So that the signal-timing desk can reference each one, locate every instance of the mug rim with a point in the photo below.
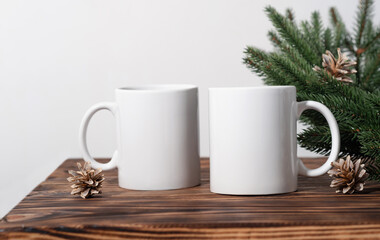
(253, 88)
(156, 87)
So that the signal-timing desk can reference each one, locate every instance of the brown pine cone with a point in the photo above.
(339, 68)
(348, 176)
(86, 181)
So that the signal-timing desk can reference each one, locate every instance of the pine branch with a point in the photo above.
(296, 57)
(370, 148)
(370, 142)
(352, 108)
(356, 107)
(341, 36)
(318, 139)
(363, 16)
(373, 167)
(372, 72)
(327, 39)
(349, 45)
(338, 25)
(370, 42)
(290, 15)
(258, 61)
(275, 39)
(338, 37)
(335, 17)
(370, 51)
(289, 32)
(311, 37)
(295, 75)
(317, 29)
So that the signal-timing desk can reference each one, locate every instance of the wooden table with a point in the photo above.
(315, 211)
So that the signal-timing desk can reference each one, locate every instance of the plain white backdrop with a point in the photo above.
(57, 58)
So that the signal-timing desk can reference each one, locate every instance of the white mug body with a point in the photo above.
(157, 136)
(253, 140)
(157, 129)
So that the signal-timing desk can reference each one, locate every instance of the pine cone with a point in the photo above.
(348, 176)
(338, 68)
(87, 181)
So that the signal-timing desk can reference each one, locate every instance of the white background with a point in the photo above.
(57, 58)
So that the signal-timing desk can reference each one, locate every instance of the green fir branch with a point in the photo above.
(274, 38)
(312, 39)
(356, 107)
(290, 15)
(338, 26)
(258, 61)
(362, 18)
(289, 32)
(327, 39)
(317, 29)
(375, 39)
(341, 36)
(372, 72)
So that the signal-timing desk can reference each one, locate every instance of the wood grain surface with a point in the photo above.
(315, 211)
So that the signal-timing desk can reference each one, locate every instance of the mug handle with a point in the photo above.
(335, 138)
(110, 106)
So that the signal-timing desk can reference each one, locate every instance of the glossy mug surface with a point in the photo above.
(253, 140)
(157, 136)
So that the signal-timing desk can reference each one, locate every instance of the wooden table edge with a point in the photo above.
(197, 231)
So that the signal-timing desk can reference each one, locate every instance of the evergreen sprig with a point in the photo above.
(356, 106)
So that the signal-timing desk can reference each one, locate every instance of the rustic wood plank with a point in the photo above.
(314, 211)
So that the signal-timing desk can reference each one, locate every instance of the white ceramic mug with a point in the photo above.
(253, 140)
(157, 136)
